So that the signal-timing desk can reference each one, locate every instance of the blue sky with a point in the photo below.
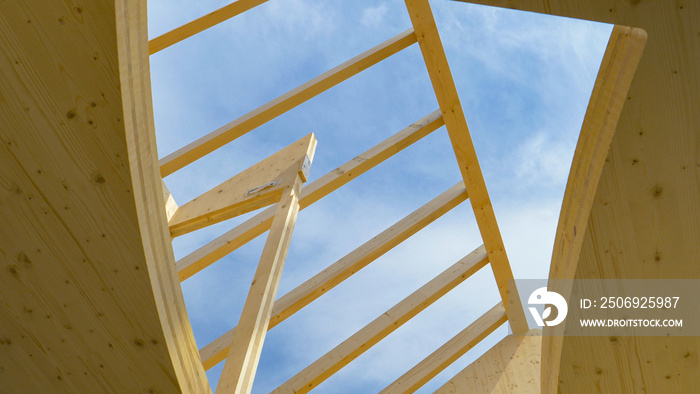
(524, 81)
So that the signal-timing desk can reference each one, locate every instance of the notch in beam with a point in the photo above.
(385, 324)
(253, 227)
(342, 269)
(229, 132)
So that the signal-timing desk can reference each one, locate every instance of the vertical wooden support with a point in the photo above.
(446, 93)
(241, 364)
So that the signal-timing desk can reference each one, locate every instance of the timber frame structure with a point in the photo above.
(87, 222)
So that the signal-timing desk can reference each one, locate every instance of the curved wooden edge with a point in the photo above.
(615, 76)
(140, 136)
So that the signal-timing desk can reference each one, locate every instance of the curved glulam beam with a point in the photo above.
(385, 324)
(342, 269)
(609, 94)
(258, 224)
(261, 115)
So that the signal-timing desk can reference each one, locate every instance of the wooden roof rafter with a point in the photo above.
(269, 314)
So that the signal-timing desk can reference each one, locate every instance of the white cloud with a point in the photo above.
(530, 119)
(544, 160)
(373, 16)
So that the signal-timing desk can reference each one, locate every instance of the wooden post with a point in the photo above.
(241, 364)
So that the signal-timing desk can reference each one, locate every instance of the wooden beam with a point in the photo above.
(284, 103)
(609, 94)
(170, 204)
(240, 367)
(200, 24)
(359, 258)
(385, 324)
(256, 187)
(230, 241)
(446, 93)
(448, 353)
(511, 366)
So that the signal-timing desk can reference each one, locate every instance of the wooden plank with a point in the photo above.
(256, 187)
(342, 269)
(446, 93)
(283, 103)
(200, 24)
(240, 367)
(448, 353)
(231, 240)
(609, 95)
(511, 366)
(385, 324)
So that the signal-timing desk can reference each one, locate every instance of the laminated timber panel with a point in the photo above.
(89, 299)
(645, 218)
(511, 366)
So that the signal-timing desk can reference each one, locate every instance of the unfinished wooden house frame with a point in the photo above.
(91, 221)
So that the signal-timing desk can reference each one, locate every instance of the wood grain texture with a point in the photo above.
(448, 99)
(200, 24)
(347, 266)
(645, 217)
(82, 227)
(246, 345)
(609, 94)
(385, 324)
(511, 366)
(236, 196)
(448, 353)
(261, 115)
(253, 227)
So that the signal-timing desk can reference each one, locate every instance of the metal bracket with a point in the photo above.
(262, 187)
(305, 168)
